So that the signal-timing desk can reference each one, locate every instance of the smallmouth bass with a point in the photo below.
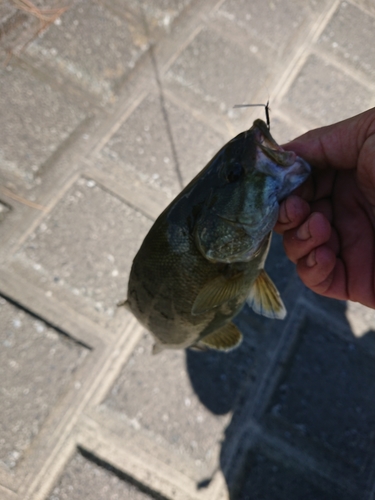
(204, 257)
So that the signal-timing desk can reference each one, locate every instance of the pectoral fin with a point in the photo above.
(265, 299)
(225, 339)
(216, 292)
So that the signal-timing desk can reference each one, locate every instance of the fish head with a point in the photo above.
(247, 180)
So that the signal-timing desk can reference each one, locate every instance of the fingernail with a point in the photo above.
(303, 232)
(311, 260)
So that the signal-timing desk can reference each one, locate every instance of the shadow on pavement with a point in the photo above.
(308, 431)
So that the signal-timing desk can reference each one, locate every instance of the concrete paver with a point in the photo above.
(109, 229)
(268, 477)
(215, 83)
(270, 29)
(36, 365)
(326, 372)
(331, 86)
(104, 52)
(143, 148)
(105, 115)
(84, 478)
(346, 36)
(38, 120)
(168, 407)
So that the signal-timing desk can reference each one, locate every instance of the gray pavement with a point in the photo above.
(105, 115)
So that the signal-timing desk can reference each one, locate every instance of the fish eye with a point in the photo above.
(234, 172)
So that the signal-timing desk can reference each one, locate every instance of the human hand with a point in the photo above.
(328, 225)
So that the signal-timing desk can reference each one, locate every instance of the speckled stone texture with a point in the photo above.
(106, 112)
(316, 97)
(89, 222)
(85, 479)
(107, 50)
(36, 366)
(36, 119)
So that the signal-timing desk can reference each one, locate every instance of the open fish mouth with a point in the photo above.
(289, 169)
(270, 147)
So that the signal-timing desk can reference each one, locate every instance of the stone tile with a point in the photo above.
(326, 395)
(195, 142)
(7, 10)
(91, 46)
(13, 25)
(323, 94)
(36, 365)
(265, 478)
(211, 73)
(348, 36)
(184, 400)
(86, 477)
(35, 119)
(142, 145)
(86, 246)
(283, 131)
(268, 27)
(367, 5)
(158, 14)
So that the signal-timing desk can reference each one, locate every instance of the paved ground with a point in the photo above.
(103, 118)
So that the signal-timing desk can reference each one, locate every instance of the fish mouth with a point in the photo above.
(290, 169)
(270, 147)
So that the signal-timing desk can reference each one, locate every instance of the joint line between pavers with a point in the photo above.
(196, 113)
(289, 119)
(172, 59)
(302, 53)
(265, 389)
(126, 195)
(55, 426)
(362, 7)
(301, 459)
(129, 109)
(294, 119)
(144, 468)
(39, 218)
(356, 75)
(115, 362)
(55, 469)
(79, 408)
(7, 494)
(58, 315)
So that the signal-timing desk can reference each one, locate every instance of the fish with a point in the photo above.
(203, 259)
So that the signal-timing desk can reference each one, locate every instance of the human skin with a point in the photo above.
(328, 224)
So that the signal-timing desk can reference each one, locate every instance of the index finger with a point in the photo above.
(349, 144)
